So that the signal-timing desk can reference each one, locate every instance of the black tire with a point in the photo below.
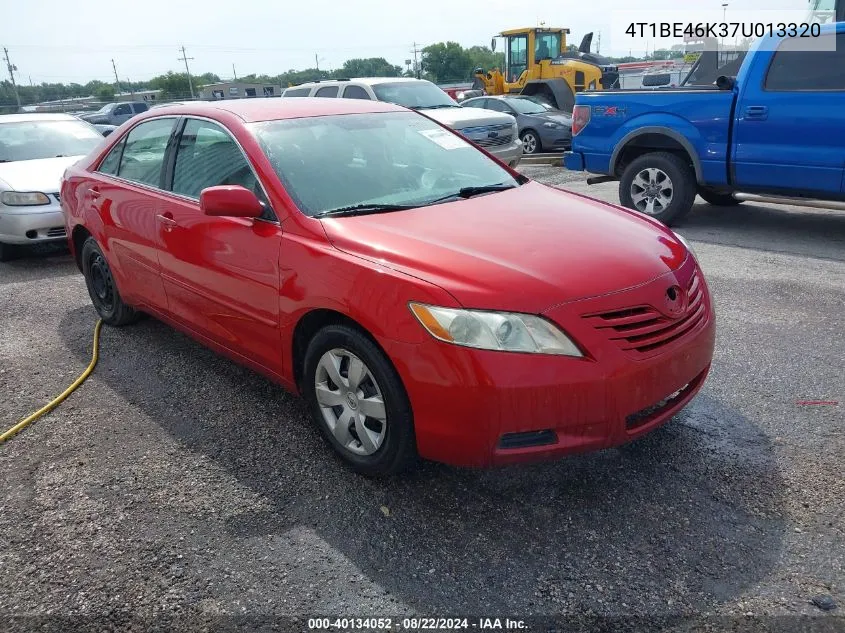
(398, 451)
(537, 144)
(8, 252)
(102, 287)
(718, 199)
(678, 171)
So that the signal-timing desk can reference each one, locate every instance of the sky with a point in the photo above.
(61, 41)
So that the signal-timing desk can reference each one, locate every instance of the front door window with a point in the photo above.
(517, 57)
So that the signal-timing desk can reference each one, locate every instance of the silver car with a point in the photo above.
(35, 150)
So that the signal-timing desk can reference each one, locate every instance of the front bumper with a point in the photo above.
(31, 225)
(509, 154)
(484, 408)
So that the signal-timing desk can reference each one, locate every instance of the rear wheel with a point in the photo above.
(102, 288)
(358, 401)
(717, 198)
(531, 142)
(659, 184)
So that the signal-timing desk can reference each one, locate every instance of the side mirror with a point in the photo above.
(725, 83)
(230, 200)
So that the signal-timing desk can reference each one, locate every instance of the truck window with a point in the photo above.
(140, 107)
(517, 56)
(802, 70)
(296, 92)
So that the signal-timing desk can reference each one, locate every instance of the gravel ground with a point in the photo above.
(175, 484)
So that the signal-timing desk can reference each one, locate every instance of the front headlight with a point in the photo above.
(24, 198)
(683, 241)
(552, 125)
(504, 331)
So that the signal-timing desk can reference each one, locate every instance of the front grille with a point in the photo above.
(644, 330)
(643, 417)
(57, 231)
(527, 439)
(495, 142)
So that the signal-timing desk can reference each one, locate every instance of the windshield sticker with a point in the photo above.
(444, 139)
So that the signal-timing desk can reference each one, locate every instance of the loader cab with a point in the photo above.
(524, 48)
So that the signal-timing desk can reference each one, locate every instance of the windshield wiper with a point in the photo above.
(435, 107)
(469, 192)
(364, 209)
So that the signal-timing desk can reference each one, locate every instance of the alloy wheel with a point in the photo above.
(652, 191)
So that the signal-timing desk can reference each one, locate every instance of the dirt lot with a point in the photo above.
(175, 483)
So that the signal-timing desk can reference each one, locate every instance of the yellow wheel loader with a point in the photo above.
(537, 63)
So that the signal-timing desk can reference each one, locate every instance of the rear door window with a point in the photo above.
(121, 109)
(808, 70)
(326, 91)
(296, 92)
(140, 107)
(355, 92)
(143, 155)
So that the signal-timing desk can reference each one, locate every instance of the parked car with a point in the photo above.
(496, 133)
(104, 129)
(774, 133)
(424, 298)
(540, 128)
(174, 103)
(116, 113)
(34, 151)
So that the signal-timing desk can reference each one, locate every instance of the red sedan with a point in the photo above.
(424, 298)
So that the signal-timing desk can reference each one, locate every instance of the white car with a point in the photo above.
(496, 132)
(35, 150)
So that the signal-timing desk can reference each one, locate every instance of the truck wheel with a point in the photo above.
(659, 184)
(718, 199)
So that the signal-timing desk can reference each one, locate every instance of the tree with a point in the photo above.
(172, 85)
(369, 67)
(104, 93)
(484, 58)
(445, 62)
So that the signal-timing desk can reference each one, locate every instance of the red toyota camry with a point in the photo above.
(424, 298)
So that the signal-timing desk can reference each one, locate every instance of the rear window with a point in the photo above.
(296, 92)
(326, 91)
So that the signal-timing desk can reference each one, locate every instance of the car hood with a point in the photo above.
(95, 118)
(526, 249)
(458, 118)
(44, 174)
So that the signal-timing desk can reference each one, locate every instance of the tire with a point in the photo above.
(102, 288)
(8, 252)
(665, 204)
(531, 142)
(390, 444)
(718, 199)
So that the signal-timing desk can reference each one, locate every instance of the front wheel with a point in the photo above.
(102, 288)
(530, 142)
(358, 401)
(718, 199)
(659, 184)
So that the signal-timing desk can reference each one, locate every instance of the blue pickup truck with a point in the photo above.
(775, 132)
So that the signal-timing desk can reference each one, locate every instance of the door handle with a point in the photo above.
(167, 220)
(95, 192)
(756, 113)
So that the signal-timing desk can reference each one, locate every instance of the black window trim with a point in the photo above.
(123, 141)
(169, 165)
(764, 88)
(329, 87)
(360, 87)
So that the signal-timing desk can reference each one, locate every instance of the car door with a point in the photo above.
(122, 112)
(126, 197)
(220, 274)
(789, 125)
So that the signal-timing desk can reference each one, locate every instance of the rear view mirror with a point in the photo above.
(230, 201)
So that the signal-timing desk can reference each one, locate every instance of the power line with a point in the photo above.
(185, 59)
(12, 68)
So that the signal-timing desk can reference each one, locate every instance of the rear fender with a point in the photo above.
(675, 128)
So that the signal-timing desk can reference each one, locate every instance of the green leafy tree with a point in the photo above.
(172, 85)
(104, 93)
(445, 62)
(369, 67)
(484, 58)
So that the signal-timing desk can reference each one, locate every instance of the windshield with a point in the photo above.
(106, 108)
(413, 94)
(31, 140)
(396, 158)
(526, 106)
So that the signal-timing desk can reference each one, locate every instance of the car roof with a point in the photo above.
(369, 81)
(271, 108)
(36, 116)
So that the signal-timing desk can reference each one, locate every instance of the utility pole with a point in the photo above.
(234, 72)
(416, 63)
(598, 44)
(12, 68)
(116, 78)
(185, 59)
(316, 62)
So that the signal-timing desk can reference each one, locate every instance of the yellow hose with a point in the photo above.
(7, 435)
